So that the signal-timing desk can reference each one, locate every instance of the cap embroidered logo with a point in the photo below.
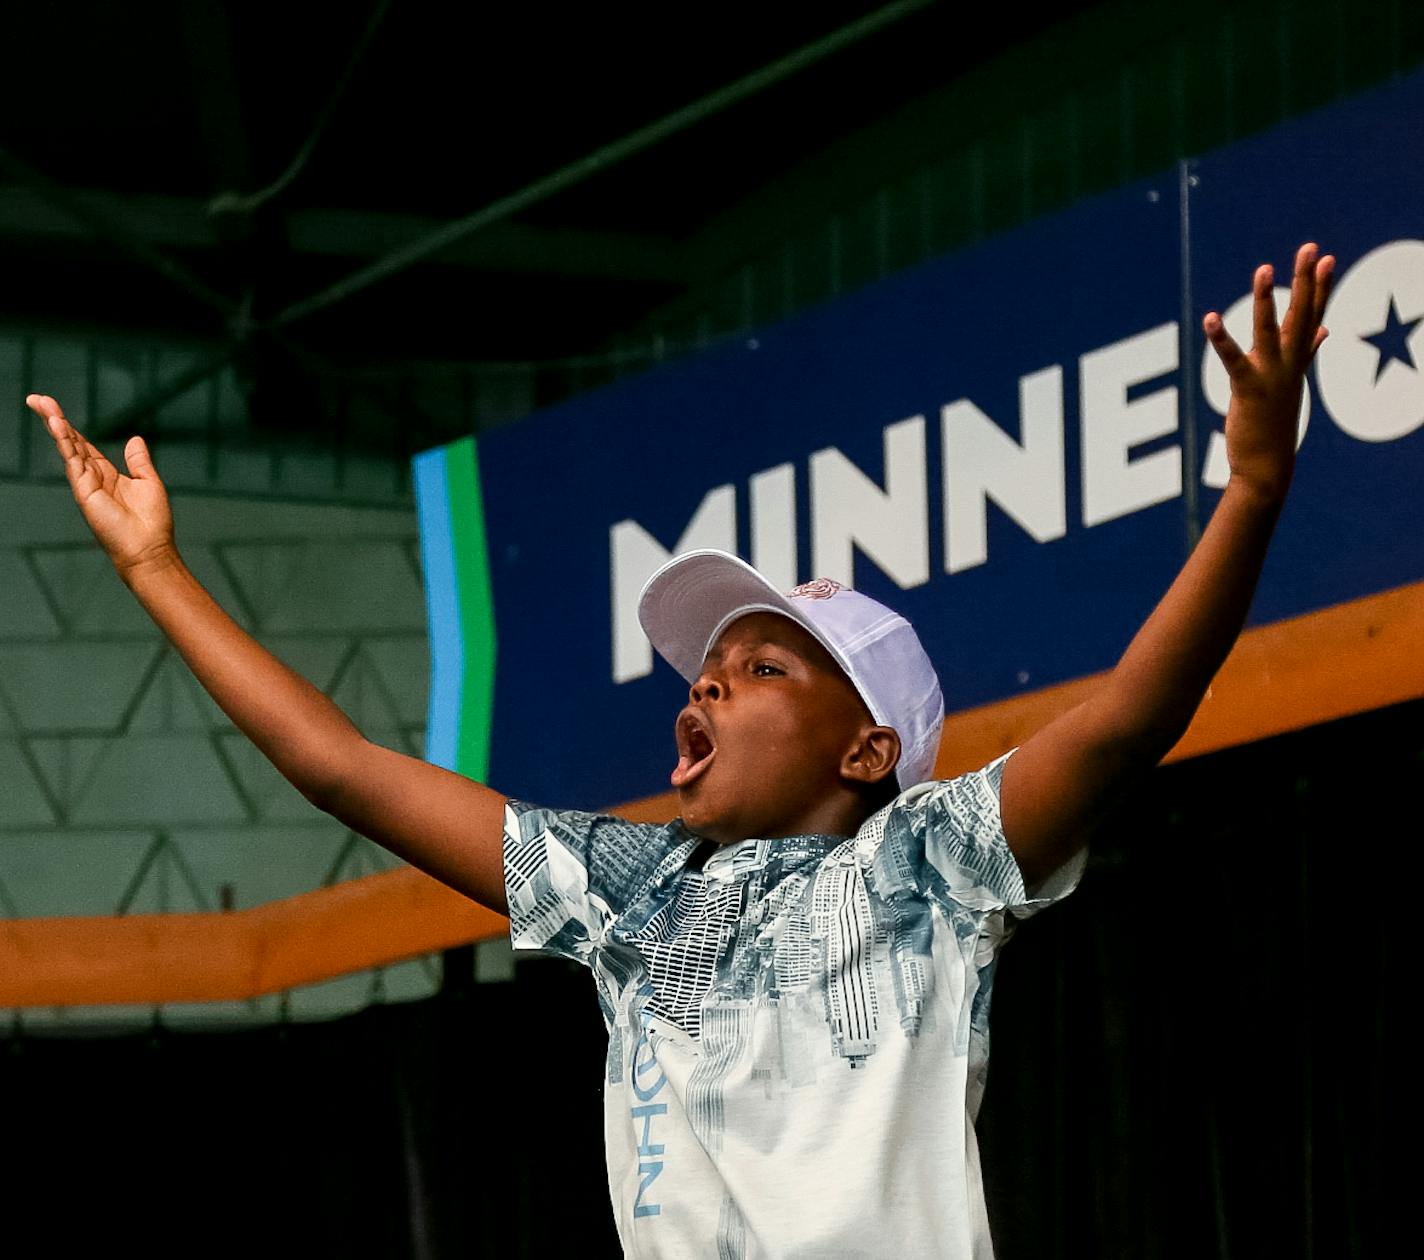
(820, 588)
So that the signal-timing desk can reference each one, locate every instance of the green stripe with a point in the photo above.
(476, 600)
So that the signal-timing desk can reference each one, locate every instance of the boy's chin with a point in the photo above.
(706, 824)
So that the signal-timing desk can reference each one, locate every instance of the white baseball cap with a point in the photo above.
(688, 602)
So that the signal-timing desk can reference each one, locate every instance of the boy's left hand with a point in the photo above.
(1266, 383)
(1061, 780)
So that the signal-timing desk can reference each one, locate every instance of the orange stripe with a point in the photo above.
(153, 958)
(1282, 677)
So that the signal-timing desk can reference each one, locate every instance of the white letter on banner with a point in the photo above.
(774, 525)
(636, 555)
(1371, 367)
(982, 462)
(891, 525)
(1114, 483)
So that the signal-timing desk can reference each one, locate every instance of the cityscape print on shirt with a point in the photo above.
(846, 925)
(757, 994)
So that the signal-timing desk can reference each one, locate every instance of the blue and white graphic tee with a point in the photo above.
(798, 1030)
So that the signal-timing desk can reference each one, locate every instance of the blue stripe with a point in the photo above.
(442, 608)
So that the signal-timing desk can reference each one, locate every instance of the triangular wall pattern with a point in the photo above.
(123, 784)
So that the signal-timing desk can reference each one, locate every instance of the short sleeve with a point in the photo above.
(948, 837)
(569, 875)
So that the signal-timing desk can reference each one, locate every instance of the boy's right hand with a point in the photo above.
(129, 514)
(441, 822)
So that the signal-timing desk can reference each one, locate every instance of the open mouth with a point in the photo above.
(695, 747)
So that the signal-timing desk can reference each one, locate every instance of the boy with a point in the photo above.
(796, 973)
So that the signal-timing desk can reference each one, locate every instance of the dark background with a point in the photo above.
(1202, 1053)
(262, 152)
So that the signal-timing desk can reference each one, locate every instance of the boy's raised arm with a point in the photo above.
(1061, 780)
(441, 822)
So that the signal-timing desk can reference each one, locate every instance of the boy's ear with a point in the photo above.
(873, 757)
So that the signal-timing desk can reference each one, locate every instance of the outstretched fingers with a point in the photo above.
(1324, 282)
(66, 438)
(85, 467)
(101, 464)
(1232, 357)
(1266, 336)
(1302, 297)
(58, 427)
(139, 461)
(89, 475)
(128, 513)
(1310, 291)
(78, 466)
(1299, 333)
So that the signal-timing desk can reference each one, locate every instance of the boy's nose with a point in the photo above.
(707, 687)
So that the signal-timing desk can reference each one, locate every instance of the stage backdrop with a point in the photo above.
(1015, 446)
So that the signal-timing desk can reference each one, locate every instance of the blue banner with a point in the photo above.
(1012, 445)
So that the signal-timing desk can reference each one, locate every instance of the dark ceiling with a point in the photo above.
(142, 136)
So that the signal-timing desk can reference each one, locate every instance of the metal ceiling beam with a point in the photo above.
(113, 228)
(232, 202)
(127, 419)
(185, 223)
(507, 247)
(600, 160)
(175, 222)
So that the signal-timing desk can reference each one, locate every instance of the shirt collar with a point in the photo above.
(794, 851)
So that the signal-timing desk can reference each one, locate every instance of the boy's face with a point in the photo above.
(762, 741)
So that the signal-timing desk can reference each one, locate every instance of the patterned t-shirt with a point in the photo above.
(798, 1028)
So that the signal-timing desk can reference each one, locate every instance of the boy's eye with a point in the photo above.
(767, 668)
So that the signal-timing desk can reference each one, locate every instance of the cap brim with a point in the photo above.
(688, 602)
